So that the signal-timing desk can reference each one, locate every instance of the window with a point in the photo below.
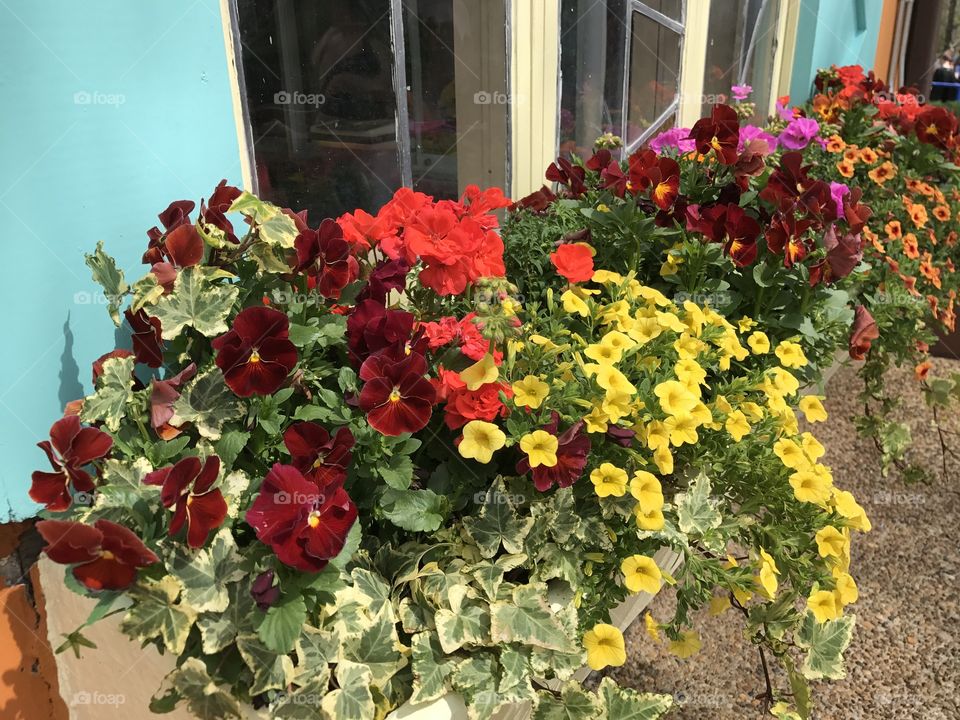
(620, 67)
(347, 100)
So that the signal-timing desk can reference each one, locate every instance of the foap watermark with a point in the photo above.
(889, 497)
(496, 97)
(298, 498)
(284, 297)
(85, 697)
(295, 97)
(96, 97)
(493, 497)
(84, 297)
(717, 298)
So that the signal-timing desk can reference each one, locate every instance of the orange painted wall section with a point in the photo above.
(888, 26)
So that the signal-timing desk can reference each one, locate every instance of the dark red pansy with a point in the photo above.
(659, 176)
(537, 201)
(863, 333)
(565, 173)
(573, 447)
(720, 132)
(304, 525)
(256, 354)
(788, 181)
(325, 256)
(147, 338)
(624, 437)
(176, 214)
(105, 556)
(163, 394)
(396, 397)
(166, 275)
(320, 457)
(70, 448)
(935, 125)
(214, 211)
(184, 246)
(854, 212)
(372, 327)
(785, 236)
(740, 235)
(263, 590)
(187, 488)
(388, 276)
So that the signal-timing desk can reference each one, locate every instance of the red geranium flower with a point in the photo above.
(256, 354)
(147, 340)
(573, 446)
(396, 396)
(69, 449)
(363, 230)
(863, 333)
(104, 557)
(371, 327)
(306, 525)
(187, 487)
(326, 258)
(463, 405)
(574, 261)
(318, 456)
(719, 132)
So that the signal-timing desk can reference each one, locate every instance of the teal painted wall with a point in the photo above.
(110, 110)
(827, 34)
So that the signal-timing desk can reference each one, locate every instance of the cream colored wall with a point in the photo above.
(693, 59)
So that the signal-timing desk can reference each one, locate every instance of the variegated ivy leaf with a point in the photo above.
(825, 643)
(431, 668)
(625, 704)
(527, 619)
(270, 670)
(114, 391)
(574, 703)
(316, 649)
(155, 613)
(476, 679)
(195, 302)
(205, 573)
(208, 403)
(108, 276)
(122, 484)
(378, 647)
(515, 675)
(467, 625)
(146, 291)
(697, 512)
(414, 617)
(498, 524)
(304, 702)
(233, 486)
(368, 591)
(220, 629)
(353, 699)
(275, 228)
(192, 683)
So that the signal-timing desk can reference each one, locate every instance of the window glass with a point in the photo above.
(654, 74)
(592, 64)
(673, 9)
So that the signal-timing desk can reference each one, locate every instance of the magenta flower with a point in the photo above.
(754, 140)
(741, 92)
(674, 137)
(798, 134)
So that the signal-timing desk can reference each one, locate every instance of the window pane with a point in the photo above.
(319, 84)
(673, 9)
(456, 64)
(654, 73)
(592, 61)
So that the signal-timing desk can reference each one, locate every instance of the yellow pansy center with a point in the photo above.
(254, 356)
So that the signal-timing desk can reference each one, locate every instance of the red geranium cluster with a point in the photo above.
(457, 241)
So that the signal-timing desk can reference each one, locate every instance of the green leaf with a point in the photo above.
(353, 698)
(275, 228)
(476, 679)
(468, 624)
(108, 276)
(114, 391)
(155, 613)
(574, 703)
(229, 446)
(800, 689)
(146, 291)
(194, 302)
(377, 647)
(398, 474)
(282, 623)
(431, 668)
(208, 403)
(271, 671)
(696, 511)
(220, 629)
(414, 510)
(497, 524)
(205, 573)
(303, 335)
(527, 619)
(515, 675)
(825, 643)
(625, 704)
(122, 484)
(192, 682)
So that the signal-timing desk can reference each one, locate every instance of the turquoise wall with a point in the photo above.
(827, 34)
(109, 111)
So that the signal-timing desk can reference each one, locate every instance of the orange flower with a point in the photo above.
(893, 229)
(873, 238)
(910, 248)
(922, 370)
(845, 168)
(942, 213)
(926, 189)
(882, 173)
(918, 213)
(835, 144)
(868, 156)
(913, 184)
(850, 154)
(910, 282)
(931, 273)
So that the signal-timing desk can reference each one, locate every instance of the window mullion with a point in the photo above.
(400, 91)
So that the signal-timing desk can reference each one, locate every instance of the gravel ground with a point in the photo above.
(904, 662)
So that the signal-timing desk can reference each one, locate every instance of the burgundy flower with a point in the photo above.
(567, 174)
(388, 276)
(660, 176)
(318, 456)
(785, 236)
(719, 132)
(164, 393)
(187, 487)
(264, 593)
(623, 437)
(304, 525)
(215, 213)
(787, 182)
(325, 256)
(147, 340)
(70, 448)
(176, 214)
(854, 212)
(396, 397)
(573, 446)
(936, 125)
(104, 557)
(537, 201)
(256, 354)
(372, 327)
(844, 253)
(863, 333)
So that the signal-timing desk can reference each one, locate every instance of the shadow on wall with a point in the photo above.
(70, 386)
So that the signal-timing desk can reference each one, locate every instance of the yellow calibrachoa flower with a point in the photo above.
(481, 440)
(784, 382)
(675, 397)
(671, 265)
(737, 425)
(653, 627)
(812, 408)
(824, 605)
(608, 480)
(646, 489)
(530, 392)
(846, 589)
(753, 411)
(618, 340)
(768, 573)
(480, 373)
(688, 347)
(831, 542)
(791, 354)
(610, 379)
(690, 373)
(596, 420)
(603, 353)
(663, 459)
(810, 487)
(722, 404)
(688, 644)
(791, 454)
(653, 295)
(848, 508)
(641, 574)
(682, 429)
(811, 447)
(540, 447)
(744, 324)
(759, 343)
(574, 304)
(604, 646)
(669, 321)
(605, 277)
(643, 329)
(651, 521)
(657, 435)
(617, 405)
(719, 604)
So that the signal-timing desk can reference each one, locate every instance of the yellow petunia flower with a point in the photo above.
(811, 447)
(657, 435)
(617, 405)
(530, 392)
(824, 606)
(831, 542)
(482, 372)
(609, 480)
(812, 408)
(737, 425)
(574, 304)
(682, 429)
(605, 277)
(651, 521)
(689, 372)
(753, 411)
(791, 454)
(610, 379)
(540, 447)
(481, 440)
(663, 459)
(646, 489)
(675, 397)
(688, 644)
(808, 487)
(848, 508)
(596, 420)
(846, 589)
(791, 354)
(605, 647)
(604, 354)
(759, 343)
(641, 574)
